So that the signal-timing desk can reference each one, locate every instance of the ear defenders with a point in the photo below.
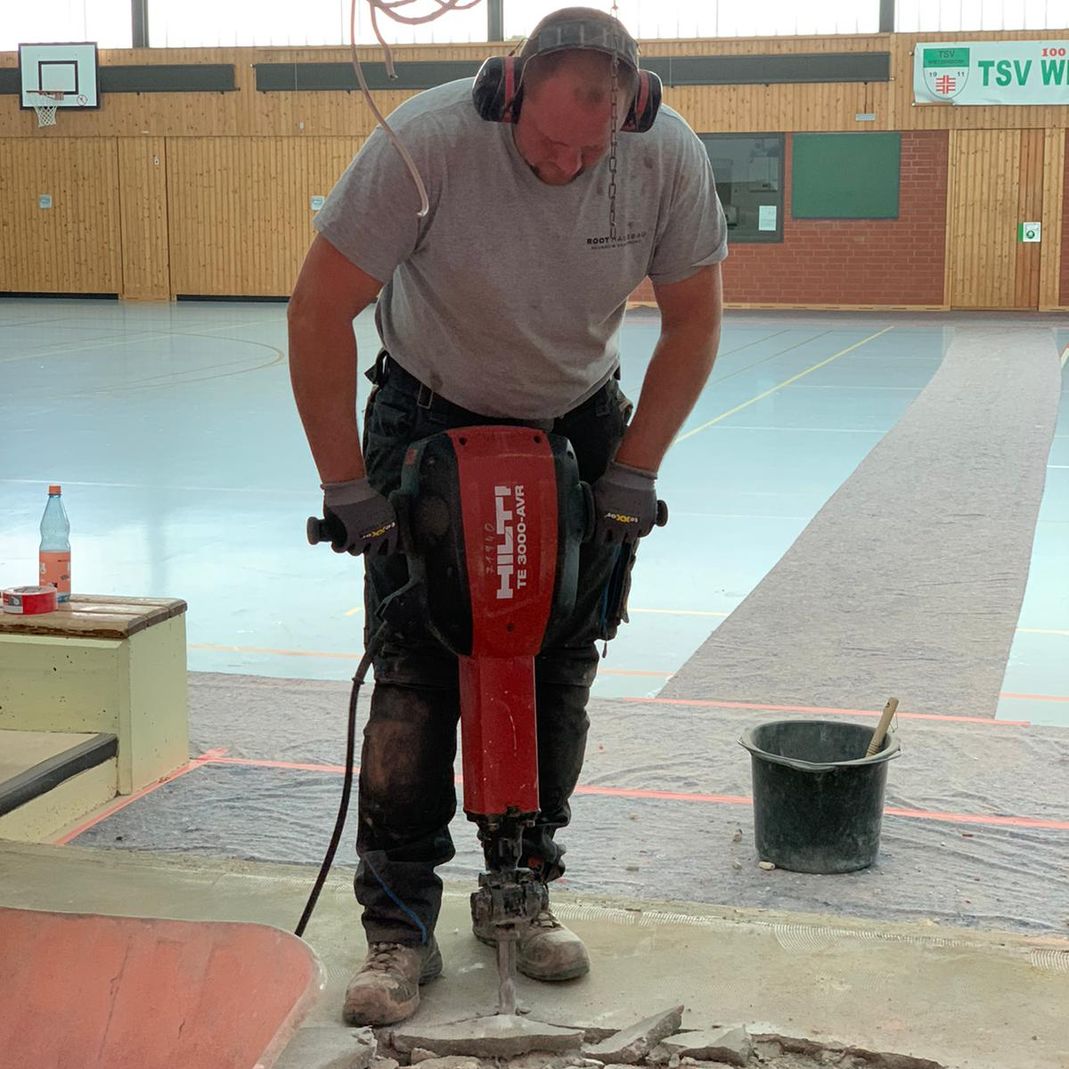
(498, 90)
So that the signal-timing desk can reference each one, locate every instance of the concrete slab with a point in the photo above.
(498, 1036)
(731, 1045)
(631, 1045)
(965, 999)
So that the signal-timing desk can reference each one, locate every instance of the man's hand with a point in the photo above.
(368, 519)
(625, 504)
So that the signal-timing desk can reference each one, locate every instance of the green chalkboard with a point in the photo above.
(845, 176)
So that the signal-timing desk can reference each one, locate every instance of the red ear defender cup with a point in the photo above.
(645, 105)
(498, 90)
(495, 90)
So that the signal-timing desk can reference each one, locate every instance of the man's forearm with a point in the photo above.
(322, 352)
(677, 374)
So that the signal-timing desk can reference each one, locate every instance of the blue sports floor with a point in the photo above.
(185, 473)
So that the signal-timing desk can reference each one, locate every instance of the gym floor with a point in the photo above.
(185, 473)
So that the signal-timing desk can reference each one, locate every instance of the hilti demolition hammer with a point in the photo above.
(491, 521)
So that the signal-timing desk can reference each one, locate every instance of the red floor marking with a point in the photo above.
(121, 803)
(672, 796)
(678, 796)
(1036, 697)
(979, 818)
(293, 766)
(713, 704)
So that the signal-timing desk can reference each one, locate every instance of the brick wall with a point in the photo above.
(853, 262)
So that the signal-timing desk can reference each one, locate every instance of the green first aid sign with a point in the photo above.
(992, 72)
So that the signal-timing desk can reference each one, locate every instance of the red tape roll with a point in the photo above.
(29, 600)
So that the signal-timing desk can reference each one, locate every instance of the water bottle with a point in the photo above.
(55, 553)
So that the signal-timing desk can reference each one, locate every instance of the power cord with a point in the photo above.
(347, 784)
(389, 8)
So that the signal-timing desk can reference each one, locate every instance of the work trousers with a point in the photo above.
(406, 791)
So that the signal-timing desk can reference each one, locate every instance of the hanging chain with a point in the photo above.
(614, 11)
(612, 150)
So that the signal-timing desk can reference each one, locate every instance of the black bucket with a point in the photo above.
(817, 800)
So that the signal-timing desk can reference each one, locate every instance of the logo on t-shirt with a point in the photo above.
(627, 237)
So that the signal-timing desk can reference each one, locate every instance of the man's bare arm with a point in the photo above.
(691, 312)
(330, 292)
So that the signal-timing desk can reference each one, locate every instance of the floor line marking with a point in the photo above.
(157, 486)
(1065, 355)
(1035, 697)
(121, 803)
(715, 380)
(781, 385)
(712, 703)
(350, 656)
(643, 793)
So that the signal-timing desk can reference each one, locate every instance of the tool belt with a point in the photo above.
(386, 369)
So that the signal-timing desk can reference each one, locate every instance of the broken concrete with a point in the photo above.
(543, 1060)
(453, 1061)
(731, 1045)
(632, 1045)
(326, 1046)
(500, 1036)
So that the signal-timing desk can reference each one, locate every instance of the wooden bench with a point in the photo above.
(102, 664)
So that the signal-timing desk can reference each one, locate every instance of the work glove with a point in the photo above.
(625, 504)
(368, 519)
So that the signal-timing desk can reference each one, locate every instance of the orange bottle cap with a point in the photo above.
(54, 489)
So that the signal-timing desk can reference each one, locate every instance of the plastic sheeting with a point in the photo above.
(660, 805)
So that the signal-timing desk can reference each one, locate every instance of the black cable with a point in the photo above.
(347, 785)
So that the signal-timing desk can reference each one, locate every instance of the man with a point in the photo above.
(502, 303)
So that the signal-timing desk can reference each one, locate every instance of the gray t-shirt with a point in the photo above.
(507, 297)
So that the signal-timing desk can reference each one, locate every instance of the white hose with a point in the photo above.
(390, 9)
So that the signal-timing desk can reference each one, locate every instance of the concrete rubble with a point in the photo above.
(730, 1045)
(631, 1046)
(500, 1036)
(503, 1042)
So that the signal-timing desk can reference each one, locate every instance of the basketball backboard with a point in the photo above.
(66, 72)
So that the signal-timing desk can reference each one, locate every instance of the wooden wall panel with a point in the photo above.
(1029, 209)
(237, 168)
(732, 108)
(239, 216)
(73, 246)
(985, 168)
(1054, 237)
(143, 213)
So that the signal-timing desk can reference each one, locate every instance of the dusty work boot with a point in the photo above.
(386, 989)
(547, 951)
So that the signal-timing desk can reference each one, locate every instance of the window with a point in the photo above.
(106, 22)
(650, 19)
(954, 16)
(208, 23)
(749, 179)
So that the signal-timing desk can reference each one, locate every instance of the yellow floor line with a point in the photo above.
(781, 385)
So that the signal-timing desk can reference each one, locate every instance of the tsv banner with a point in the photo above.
(992, 72)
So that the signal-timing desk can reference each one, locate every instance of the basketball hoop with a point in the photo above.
(46, 108)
